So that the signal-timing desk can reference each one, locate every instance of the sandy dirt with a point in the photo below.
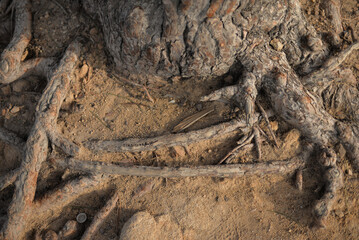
(102, 106)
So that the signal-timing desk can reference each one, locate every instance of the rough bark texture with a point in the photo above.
(169, 38)
(278, 51)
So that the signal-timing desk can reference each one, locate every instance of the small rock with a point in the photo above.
(291, 138)
(356, 66)
(274, 125)
(15, 109)
(178, 151)
(83, 71)
(70, 229)
(276, 44)
(50, 235)
(349, 172)
(340, 151)
(6, 90)
(21, 85)
(143, 225)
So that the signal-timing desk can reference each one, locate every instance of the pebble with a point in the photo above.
(274, 125)
(15, 109)
(83, 71)
(69, 230)
(339, 148)
(178, 151)
(276, 44)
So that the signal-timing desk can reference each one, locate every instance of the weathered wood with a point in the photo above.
(178, 139)
(232, 170)
(101, 216)
(333, 179)
(170, 140)
(37, 144)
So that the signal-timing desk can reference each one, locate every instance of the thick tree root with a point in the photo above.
(101, 216)
(37, 143)
(231, 170)
(11, 65)
(333, 178)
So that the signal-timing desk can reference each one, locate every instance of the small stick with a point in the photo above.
(148, 95)
(299, 179)
(248, 140)
(189, 121)
(257, 140)
(101, 216)
(264, 114)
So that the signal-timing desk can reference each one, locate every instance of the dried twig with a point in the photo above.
(189, 121)
(148, 95)
(230, 170)
(100, 216)
(240, 145)
(264, 114)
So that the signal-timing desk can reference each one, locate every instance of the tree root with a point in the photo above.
(333, 178)
(230, 170)
(100, 216)
(11, 65)
(179, 139)
(37, 143)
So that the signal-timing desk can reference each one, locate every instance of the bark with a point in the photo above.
(232, 170)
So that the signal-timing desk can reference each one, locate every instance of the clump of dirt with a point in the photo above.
(103, 106)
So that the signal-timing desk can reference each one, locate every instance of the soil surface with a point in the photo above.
(104, 106)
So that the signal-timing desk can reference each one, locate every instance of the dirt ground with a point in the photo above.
(102, 106)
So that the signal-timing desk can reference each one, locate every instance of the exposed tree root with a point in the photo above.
(230, 170)
(333, 178)
(284, 76)
(11, 65)
(37, 143)
(179, 139)
(100, 216)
